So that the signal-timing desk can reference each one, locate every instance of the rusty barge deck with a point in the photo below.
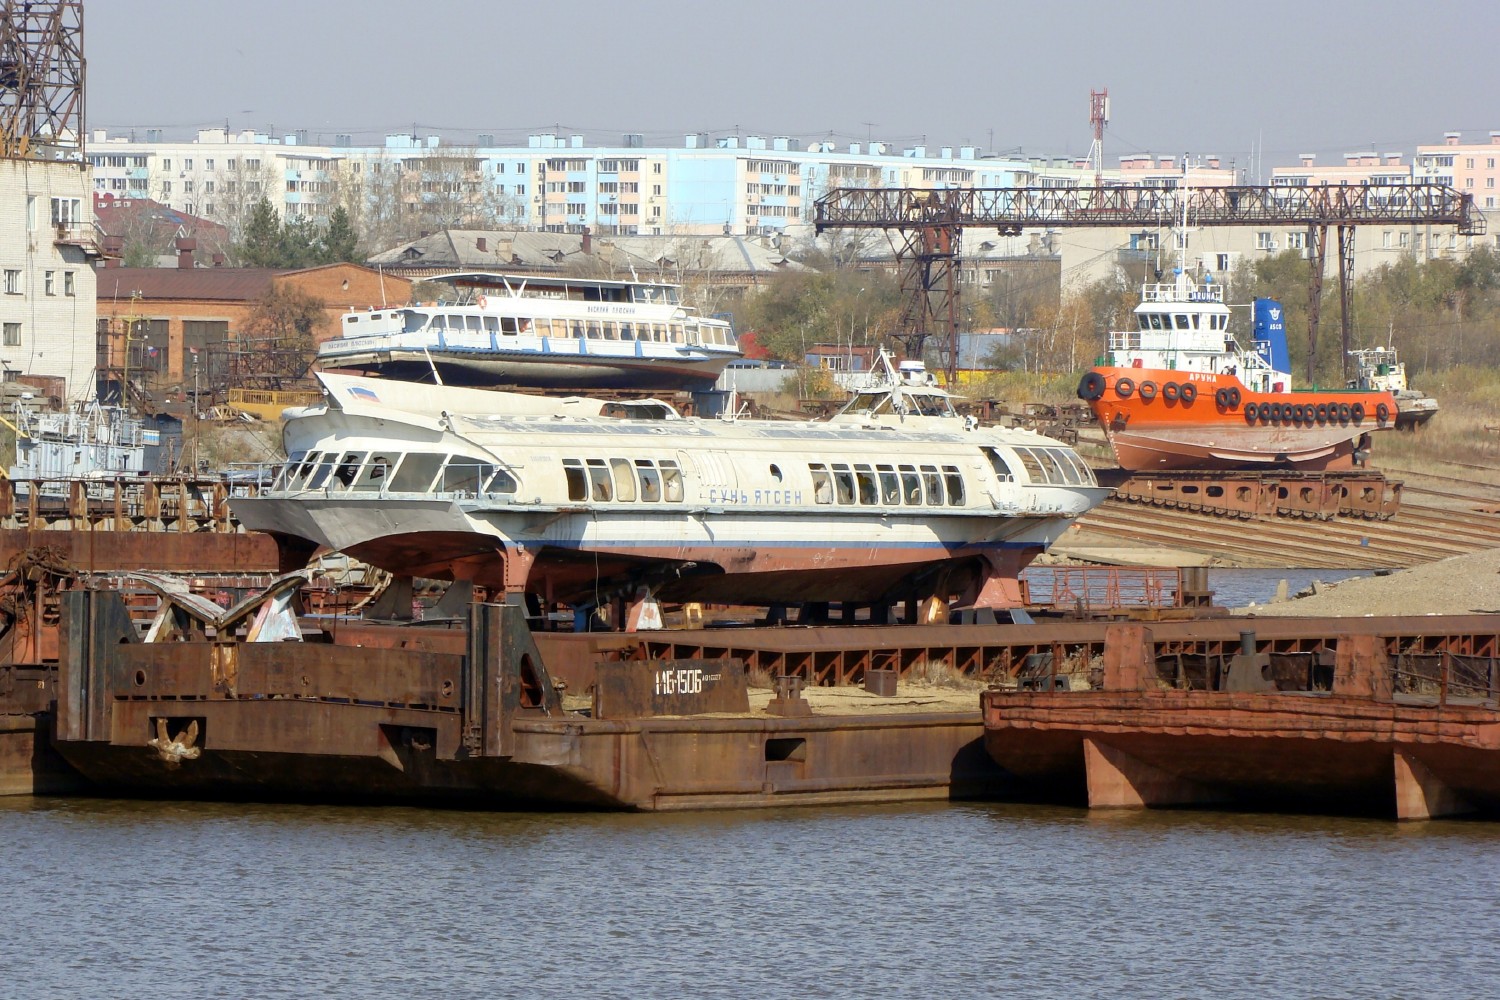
(492, 715)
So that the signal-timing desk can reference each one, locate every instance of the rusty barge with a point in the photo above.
(253, 703)
(469, 716)
(1363, 723)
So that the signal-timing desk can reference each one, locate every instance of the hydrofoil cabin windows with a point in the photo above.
(1000, 465)
(955, 483)
(822, 483)
(619, 480)
(415, 473)
(650, 480)
(464, 475)
(624, 479)
(1055, 467)
(601, 487)
(934, 484)
(891, 485)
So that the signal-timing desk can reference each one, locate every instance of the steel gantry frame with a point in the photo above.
(929, 223)
(41, 78)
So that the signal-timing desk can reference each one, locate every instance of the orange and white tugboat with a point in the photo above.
(1179, 392)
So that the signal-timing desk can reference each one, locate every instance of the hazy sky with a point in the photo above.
(1279, 76)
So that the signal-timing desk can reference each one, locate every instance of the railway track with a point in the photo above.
(1417, 534)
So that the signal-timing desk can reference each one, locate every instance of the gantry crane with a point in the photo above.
(926, 226)
(41, 79)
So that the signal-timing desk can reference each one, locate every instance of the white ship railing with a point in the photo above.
(1170, 292)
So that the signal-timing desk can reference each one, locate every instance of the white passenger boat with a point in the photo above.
(547, 332)
(577, 500)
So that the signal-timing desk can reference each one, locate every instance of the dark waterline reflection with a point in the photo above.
(125, 898)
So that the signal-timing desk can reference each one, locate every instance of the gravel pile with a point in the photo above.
(1461, 585)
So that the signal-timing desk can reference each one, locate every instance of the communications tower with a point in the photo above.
(1098, 118)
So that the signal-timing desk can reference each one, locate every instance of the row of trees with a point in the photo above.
(1437, 313)
(270, 241)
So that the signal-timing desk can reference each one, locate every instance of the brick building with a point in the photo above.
(177, 317)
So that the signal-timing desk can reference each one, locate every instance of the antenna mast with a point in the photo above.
(1098, 118)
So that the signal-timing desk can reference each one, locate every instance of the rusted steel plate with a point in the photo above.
(26, 690)
(173, 670)
(642, 689)
(372, 676)
(285, 670)
(163, 551)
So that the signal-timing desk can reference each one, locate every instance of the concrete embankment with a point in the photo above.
(1468, 584)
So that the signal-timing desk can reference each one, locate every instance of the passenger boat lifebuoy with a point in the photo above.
(482, 301)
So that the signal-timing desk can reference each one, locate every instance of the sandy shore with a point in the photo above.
(1462, 585)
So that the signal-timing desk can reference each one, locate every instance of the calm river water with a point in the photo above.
(138, 899)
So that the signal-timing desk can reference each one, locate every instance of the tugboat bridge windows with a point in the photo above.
(1181, 321)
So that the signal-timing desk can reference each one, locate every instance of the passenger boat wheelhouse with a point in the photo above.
(1179, 392)
(579, 500)
(545, 332)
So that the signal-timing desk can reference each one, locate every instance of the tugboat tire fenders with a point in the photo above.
(1124, 387)
(1092, 387)
(1148, 390)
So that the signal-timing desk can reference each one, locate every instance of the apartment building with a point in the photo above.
(742, 185)
(1468, 167)
(735, 185)
(47, 286)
